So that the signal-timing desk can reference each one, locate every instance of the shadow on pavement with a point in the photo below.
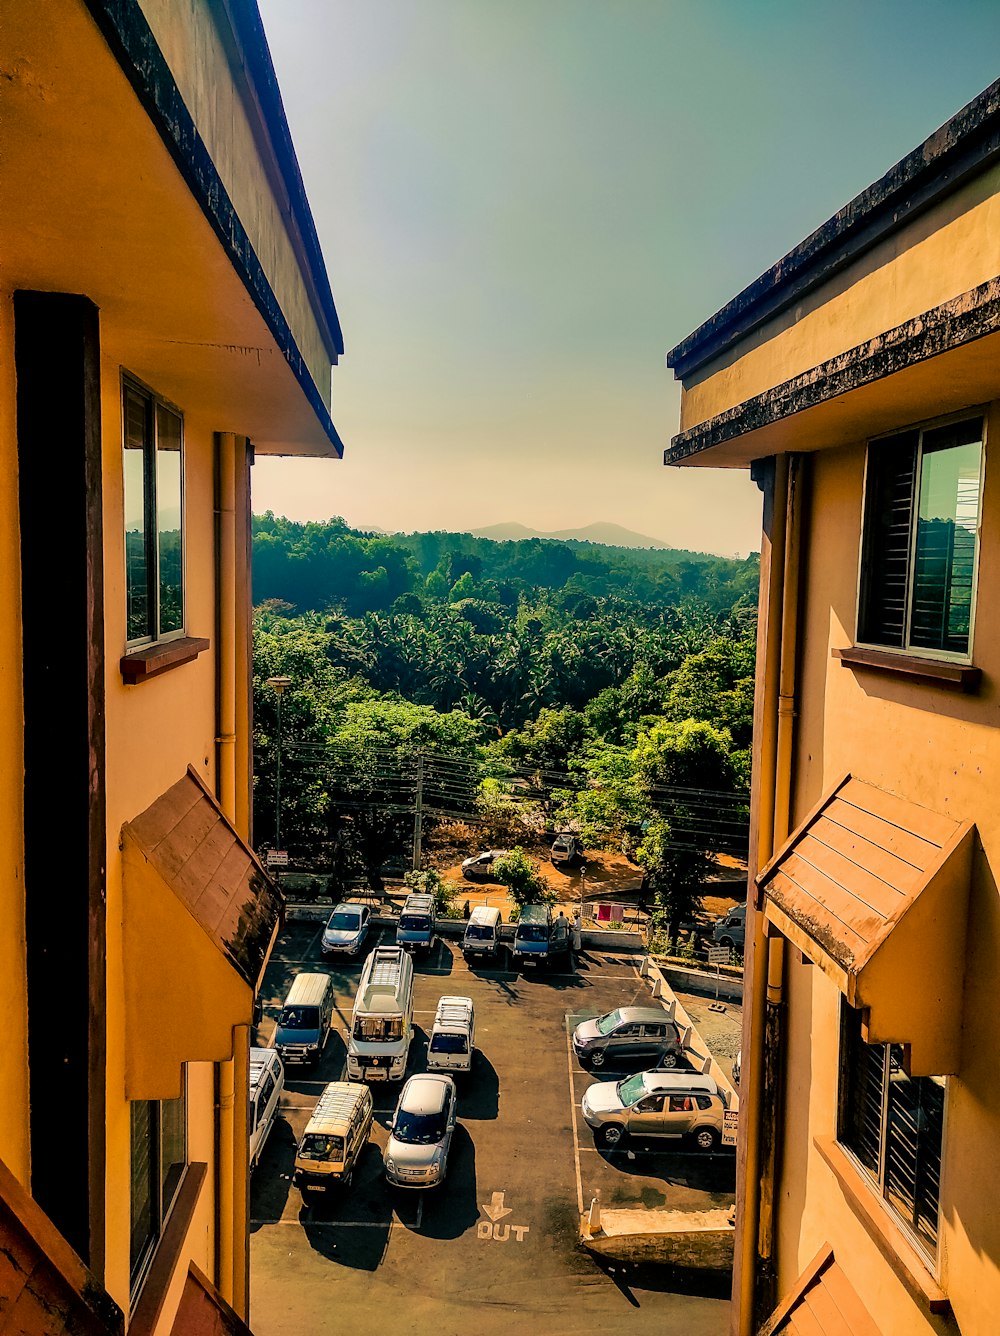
(452, 1208)
(479, 1090)
(271, 1180)
(350, 1225)
(659, 1278)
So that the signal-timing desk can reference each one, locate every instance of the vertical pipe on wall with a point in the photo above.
(225, 618)
(772, 476)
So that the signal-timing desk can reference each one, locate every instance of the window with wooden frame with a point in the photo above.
(158, 1158)
(154, 547)
(893, 1126)
(921, 537)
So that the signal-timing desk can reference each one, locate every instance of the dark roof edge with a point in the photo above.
(963, 319)
(964, 145)
(133, 45)
(248, 32)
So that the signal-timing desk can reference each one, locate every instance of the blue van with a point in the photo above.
(304, 1021)
(417, 923)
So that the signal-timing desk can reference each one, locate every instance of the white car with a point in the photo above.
(421, 1132)
(346, 930)
(479, 867)
(674, 1105)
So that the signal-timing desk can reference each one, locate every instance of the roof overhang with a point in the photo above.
(874, 889)
(822, 1301)
(200, 917)
(942, 360)
(131, 211)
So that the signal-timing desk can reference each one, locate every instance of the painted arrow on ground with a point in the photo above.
(496, 1209)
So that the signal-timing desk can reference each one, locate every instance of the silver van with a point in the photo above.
(335, 1137)
(304, 1021)
(267, 1081)
(731, 929)
(453, 1036)
(482, 932)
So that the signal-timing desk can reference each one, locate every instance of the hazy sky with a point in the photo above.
(524, 205)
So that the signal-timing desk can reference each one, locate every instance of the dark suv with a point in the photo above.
(645, 1035)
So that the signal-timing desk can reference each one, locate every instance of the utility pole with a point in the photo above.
(280, 685)
(418, 812)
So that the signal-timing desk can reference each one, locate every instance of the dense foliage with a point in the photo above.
(515, 686)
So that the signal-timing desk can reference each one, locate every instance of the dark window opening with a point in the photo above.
(159, 1154)
(154, 551)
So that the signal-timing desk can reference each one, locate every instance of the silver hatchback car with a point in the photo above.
(421, 1132)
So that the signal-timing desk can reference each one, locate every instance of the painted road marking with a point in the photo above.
(492, 1228)
(572, 1101)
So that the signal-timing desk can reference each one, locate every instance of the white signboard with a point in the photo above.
(730, 1126)
(719, 955)
(277, 858)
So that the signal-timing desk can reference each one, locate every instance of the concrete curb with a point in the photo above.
(694, 1240)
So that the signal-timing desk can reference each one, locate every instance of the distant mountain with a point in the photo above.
(609, 535)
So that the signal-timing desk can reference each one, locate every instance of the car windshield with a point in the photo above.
(532, 932)
(378, 1029)
(414, 922)
(418, 1129)
(344, 922)
(605, 1024)
(449, 1043)
(477, 933)
(316, 1146)
(631, 1090)
(299, 1018)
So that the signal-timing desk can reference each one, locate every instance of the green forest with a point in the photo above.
(504, 689)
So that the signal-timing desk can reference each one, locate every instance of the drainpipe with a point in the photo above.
(225, 789)
(771, 475)
(775, 1006)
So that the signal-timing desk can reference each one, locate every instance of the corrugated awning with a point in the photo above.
(822, 1302)
(874, 889)
(200, 918)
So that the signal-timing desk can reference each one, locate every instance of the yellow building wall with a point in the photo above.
(189, 38)
(154, 730)
(947, 251)
(13, 979)
(941, 749)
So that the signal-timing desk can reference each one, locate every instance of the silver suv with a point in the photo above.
(629, 1034)
(421, 1132)
(656, 1104)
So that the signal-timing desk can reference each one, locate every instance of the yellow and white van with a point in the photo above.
(334, 1138)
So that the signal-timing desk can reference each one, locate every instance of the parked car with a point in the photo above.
(675, 1105)
(479, 867)
(627, 1034)
(335, 1137)
(731, 929)
(541, 937)
(566, 848)
(267, 1081)
(482, 932)
(737, 1068)
(421, 1132)
(346, 930)
(453, 1036)
(417, 923)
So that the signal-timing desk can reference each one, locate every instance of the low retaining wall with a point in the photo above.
(695, 1240)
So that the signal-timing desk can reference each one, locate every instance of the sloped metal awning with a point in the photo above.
(200, 919)
(45, 1290)
(874, 890)
(822, 1302)
(204, 1312)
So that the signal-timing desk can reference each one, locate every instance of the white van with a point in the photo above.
(335, 1136)
(453, 1036)
(304, 1021)
(267, 1080)
(482, 932)
(382, 1024)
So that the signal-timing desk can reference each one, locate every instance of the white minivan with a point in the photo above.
(453, 1036)
(267, 1080)
(482, 932)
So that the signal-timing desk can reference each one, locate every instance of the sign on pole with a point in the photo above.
(277, 857)
(719, 955)
(730, 1126)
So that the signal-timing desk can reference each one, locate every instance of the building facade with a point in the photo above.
(859, 381)
(165, 315)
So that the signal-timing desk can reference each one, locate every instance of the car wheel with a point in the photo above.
(612, 1135)
(598, 1059)
(727, 941)
(669, 1060)
(706, 1138)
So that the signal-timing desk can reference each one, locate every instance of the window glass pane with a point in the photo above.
(172, 1149)
(143, 1183)
(913, 1147)
(168, 519)
(945, 550)
(138, 620)
(886, 558)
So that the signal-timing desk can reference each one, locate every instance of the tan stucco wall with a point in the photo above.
(13, 1001)
(945, 252)
(940, 749)
(190, 41)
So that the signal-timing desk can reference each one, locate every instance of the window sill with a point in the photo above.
(958, 676)
(904, 1259)
(139, 665)
(149, 1305)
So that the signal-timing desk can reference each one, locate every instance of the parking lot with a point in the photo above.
(496, 1245)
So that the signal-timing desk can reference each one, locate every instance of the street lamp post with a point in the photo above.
(280, 685)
